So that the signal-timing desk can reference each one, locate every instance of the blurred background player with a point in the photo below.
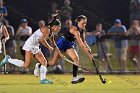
(4, 36)
(52, 11)
(67, 26)
(120, 45)
(134, 45)
(66, 12)
(10, 45)
(134, 10)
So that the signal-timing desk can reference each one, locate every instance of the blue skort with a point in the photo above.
(63, 44)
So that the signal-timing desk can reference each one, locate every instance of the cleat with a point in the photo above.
(45, 81)
(77, 79)
(81, 80)
(5, 60)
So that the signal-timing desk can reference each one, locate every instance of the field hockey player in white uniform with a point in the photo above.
(31, 48)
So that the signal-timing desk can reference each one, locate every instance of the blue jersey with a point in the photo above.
(67, 41)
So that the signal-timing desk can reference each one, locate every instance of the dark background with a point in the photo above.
(103, 11)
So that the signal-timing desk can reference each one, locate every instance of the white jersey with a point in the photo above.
(32, 42)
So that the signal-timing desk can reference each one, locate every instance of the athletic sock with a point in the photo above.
(75, 70)
(16, 62)
(43, 71)
(37, 66)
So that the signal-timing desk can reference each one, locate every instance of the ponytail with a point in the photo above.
(55, 20)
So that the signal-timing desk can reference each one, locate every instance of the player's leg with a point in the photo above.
(74, 56)
(46, 54)
(17, 62)
(49, 63)
(43, 70)
(28, 59)
(54, 59)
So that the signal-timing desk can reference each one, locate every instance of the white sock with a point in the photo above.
(16, 62)
(37, 66)
(43, 71)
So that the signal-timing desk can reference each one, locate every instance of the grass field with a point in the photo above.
(92, 84)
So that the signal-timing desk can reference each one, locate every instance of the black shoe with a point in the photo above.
(76, 80)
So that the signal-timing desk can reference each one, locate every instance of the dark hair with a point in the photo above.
(79, 18)
(55, 20)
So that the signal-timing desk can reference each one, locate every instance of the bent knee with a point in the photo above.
(76, 59)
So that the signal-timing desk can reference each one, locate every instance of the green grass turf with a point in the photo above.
(92, 84)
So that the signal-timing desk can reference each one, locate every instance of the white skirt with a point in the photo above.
(28, 46)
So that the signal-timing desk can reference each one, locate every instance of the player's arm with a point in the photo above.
(45, 35)
(5, 33)
(85, 43)
(52, 41)
(74, 31)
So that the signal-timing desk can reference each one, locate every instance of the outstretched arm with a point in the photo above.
(85, 43)
(74, 31)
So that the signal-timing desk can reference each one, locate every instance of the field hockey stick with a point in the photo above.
(102, 80)
(4, 51)
(100, 76)
(110, 69)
